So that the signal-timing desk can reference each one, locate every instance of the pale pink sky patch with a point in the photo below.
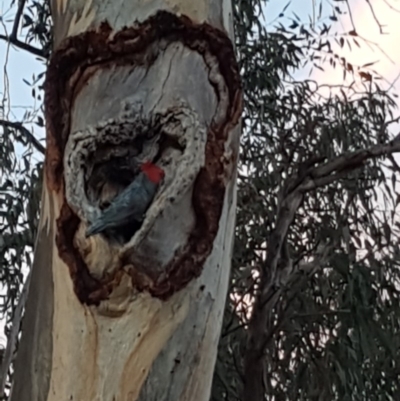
(382, 48)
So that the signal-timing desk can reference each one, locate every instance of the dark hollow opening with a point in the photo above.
(111, 168)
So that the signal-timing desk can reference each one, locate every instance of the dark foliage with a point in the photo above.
(332, 332)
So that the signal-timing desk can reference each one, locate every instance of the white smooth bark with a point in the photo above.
(138, 320)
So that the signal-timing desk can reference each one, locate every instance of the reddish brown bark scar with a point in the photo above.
(96, 48)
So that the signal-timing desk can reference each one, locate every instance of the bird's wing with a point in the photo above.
(129, 205)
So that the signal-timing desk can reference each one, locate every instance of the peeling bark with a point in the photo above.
(136, 316)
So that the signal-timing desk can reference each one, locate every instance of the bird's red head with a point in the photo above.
(153, 172)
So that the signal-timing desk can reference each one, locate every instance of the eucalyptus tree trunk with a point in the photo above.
(136, 318)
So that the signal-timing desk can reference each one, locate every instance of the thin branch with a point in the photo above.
(351, 15)
(374, 16)
(24, 46)
(342, 165)
(13, 337)
(391, 7)
(323, 313)
(321, 259)
(24, 131)
(394, 166)
(14, 32)
(13, 39)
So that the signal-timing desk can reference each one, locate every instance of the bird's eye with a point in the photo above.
(104, 205)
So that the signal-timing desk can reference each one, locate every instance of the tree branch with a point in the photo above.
(20, 9)
(24, 46)
(13, 39)
(13, 337)
(342, 165)
(260, 324)
(24, 131)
